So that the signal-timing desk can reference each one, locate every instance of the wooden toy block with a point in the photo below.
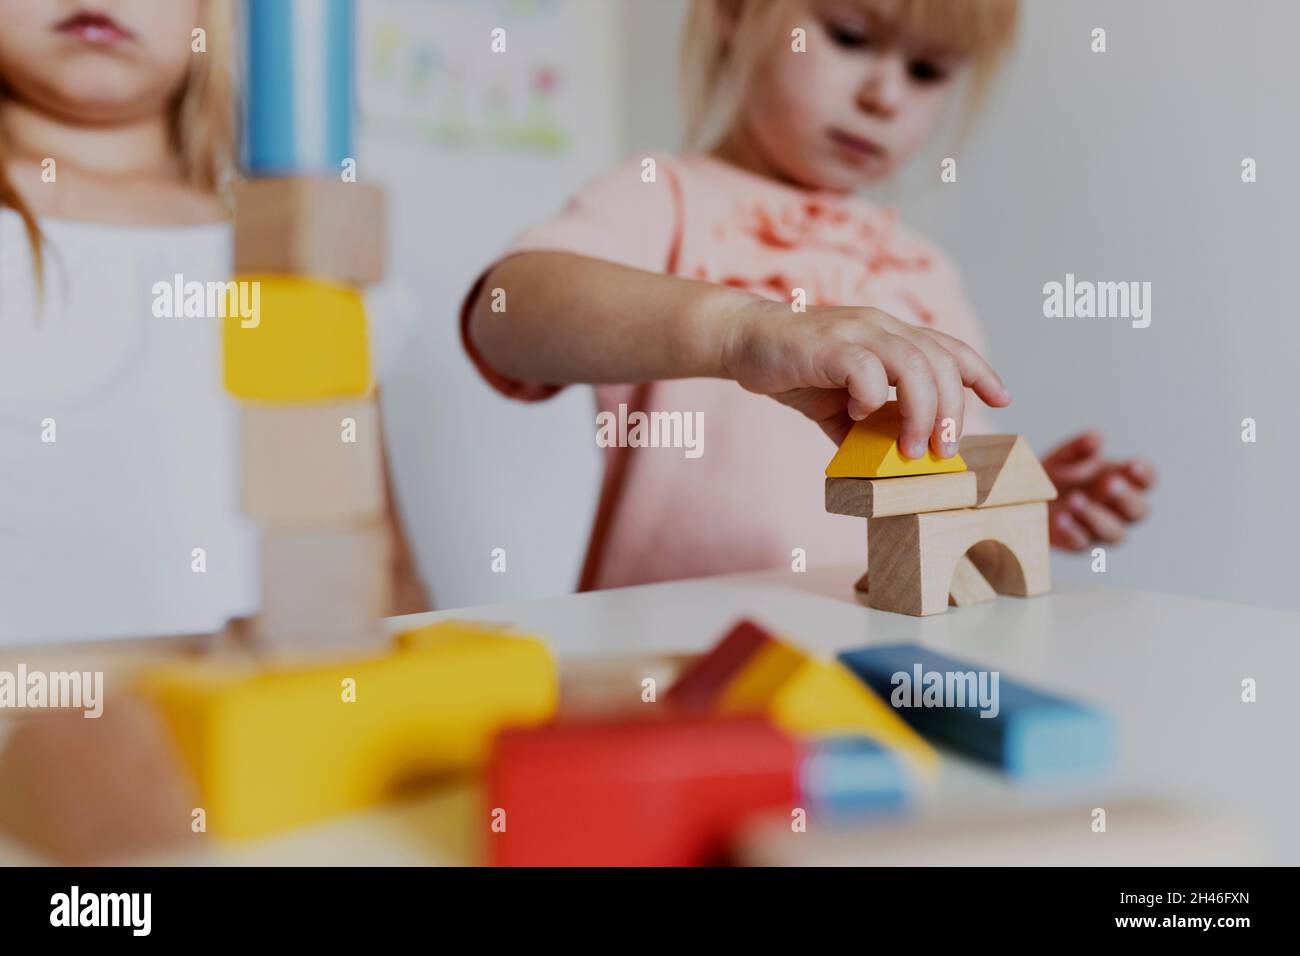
(324, 588)
(1030, 734)
(616, 684)
(313, 464)
(668, 792)
(299, 86)
(634, 792)
(1138, 833)
(753, 672)
(882, 497)
(273, 748)
(911, 559)
(317, 226)
(870, 450)
(968, 586)
(308, 341)
(92, 790)
(697, 687)
(1006, 470)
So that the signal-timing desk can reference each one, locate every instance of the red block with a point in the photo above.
(697, 688)
(635, 793)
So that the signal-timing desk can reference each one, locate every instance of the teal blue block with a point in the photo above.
(1035, 736)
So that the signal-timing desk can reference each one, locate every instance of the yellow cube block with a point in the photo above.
(305, 339)
(275, 748)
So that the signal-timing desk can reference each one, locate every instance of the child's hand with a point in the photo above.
(1099, 497)
(836, 365)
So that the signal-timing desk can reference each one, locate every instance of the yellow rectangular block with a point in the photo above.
(307, 339)
(274, 748)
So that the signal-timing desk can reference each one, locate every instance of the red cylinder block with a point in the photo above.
(634, 792)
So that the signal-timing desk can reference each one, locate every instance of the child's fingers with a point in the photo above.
(1075, 473)
(1095, 517)
(918, 394)
(976, 374)
(1066, 532)
(1116, 491)
(867, 383)
(1141, 473)
(951, 394)
(1078, 448)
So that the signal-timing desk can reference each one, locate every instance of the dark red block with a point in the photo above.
(696, 689)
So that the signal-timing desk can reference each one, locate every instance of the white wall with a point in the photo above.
(473, 470)
(1126, 166)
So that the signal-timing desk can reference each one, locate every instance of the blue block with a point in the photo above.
(1035, 736)
(299, 85)
(849, 775)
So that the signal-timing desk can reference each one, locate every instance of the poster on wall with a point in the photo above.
(511, 92)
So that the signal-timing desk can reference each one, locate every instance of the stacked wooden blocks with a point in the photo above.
(309, 236)
(943, 531)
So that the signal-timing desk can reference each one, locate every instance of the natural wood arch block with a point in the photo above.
(912, 559)
(968, 585)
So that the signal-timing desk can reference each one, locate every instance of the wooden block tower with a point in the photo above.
(943, 531)
(310, 236)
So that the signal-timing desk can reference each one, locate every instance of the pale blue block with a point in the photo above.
(299, 92)
(849, 775)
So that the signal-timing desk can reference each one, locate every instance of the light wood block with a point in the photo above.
(968, 586)
(89, 791)
(276, 747)
(911, 559)
(870, 450)
(882, 497)
(1138, 833)
(616, 685)
(309, 342)
(1006, 470)
(316, 226)
(324, 588)
(300, 472)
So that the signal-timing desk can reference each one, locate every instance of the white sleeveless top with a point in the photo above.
(119, 448)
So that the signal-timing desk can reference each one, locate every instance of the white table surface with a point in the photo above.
(1168, 670)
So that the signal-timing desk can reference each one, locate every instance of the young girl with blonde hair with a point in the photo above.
(119, 451)
(668, 283)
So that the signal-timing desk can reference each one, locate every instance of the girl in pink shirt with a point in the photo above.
(703, 287)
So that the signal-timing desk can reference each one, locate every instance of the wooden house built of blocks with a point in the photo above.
(937, 536)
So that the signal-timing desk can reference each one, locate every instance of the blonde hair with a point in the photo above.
(202, 125)
(723, 39)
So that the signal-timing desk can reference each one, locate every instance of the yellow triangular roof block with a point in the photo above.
(870, 450)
